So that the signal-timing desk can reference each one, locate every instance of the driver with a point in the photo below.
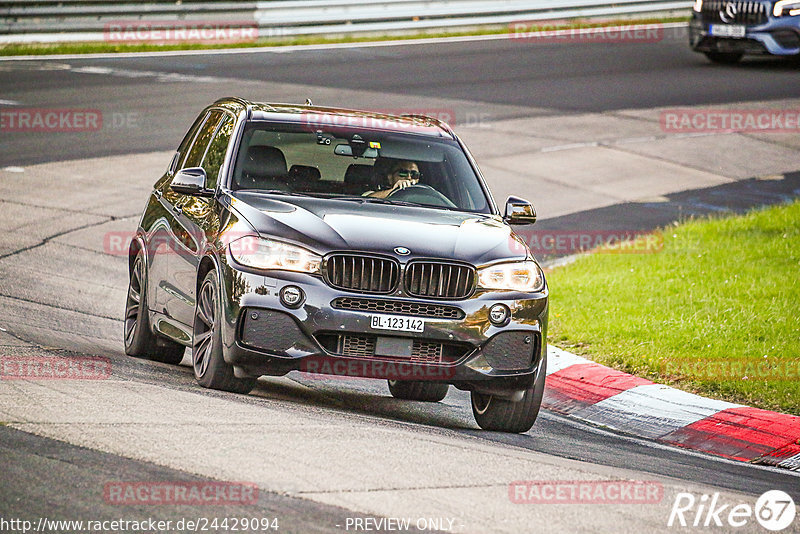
(401, 174)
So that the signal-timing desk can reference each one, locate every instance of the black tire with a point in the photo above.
(493, 413)
(140, 341)
(210, 368)
(418, 391)
(724, 58)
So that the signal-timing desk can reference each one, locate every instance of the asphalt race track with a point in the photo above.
(502, 78)
(570, 126)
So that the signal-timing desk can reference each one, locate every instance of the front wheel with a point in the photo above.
(418, 391)
(140, 341)
(210, 369)
(724, 58)
(494, 413)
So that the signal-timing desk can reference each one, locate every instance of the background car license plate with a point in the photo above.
(728, 30)
(393, 322)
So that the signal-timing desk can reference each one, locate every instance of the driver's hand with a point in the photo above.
(402, 184)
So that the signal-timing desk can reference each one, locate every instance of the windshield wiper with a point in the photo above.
(279, 192)
(405, 203)
(363, 200)
(375, 200)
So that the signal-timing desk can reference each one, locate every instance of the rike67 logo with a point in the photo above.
(774, 510)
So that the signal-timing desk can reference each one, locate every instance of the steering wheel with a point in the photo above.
(422, 194)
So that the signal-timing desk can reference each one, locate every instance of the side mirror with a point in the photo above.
(191, 181)
(519, 211)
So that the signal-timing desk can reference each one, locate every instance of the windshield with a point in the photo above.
(359, 164)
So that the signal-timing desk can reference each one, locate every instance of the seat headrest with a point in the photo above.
(304, 173)
(264, 161)
(359, 174)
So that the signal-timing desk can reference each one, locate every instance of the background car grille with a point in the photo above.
(397, 307)
(370, 274)
(747, 12)
(439, 280)
(422, 351)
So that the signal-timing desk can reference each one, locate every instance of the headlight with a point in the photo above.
(514, 276)
(261, 253)
(698, 5)
(786, 7)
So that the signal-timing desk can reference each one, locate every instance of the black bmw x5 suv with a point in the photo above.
(278, 240)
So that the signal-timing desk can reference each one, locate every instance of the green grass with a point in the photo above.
(721, 292)
(103, 47)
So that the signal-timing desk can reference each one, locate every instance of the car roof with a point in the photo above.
(339, 117)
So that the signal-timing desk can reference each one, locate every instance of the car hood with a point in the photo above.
(326, 225)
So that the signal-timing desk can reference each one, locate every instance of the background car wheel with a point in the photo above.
(419, 391)
(493, 413)
(724, 58)
(210, 369)
(140, 341)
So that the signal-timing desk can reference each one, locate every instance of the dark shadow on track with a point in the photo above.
(732, 198)
(43, 477)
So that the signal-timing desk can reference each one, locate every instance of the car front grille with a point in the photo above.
(369, 274)
(747, 12)
(397, 307)
(426, 351)
(443, 280)
(363, 346)
(350, 345)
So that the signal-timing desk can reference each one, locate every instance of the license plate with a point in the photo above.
(727, 30)
(399, 324)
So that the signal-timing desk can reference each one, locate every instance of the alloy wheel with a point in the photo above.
(204, 328)
(134, 302)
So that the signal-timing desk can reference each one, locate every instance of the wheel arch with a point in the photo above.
(212, 262)
(137, 245)
(207, 264)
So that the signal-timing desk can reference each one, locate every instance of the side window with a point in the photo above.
(195, 155)
(186, 143)
(215, 155)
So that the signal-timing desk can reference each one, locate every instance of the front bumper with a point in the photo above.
(262, 336)
(778, 36)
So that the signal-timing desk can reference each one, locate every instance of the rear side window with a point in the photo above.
(198, 148)
(215, 155)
